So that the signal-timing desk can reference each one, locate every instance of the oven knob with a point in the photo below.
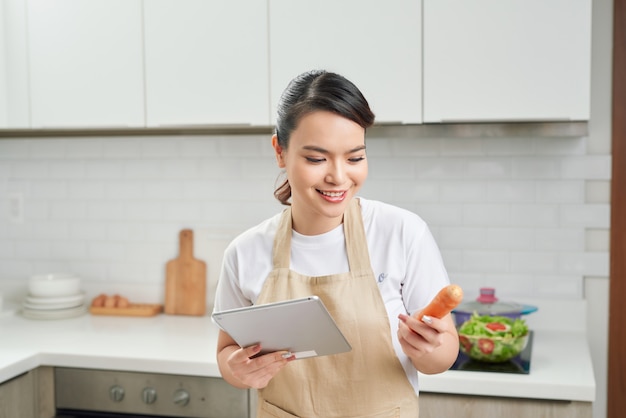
(116, 393)
(149, 395)
(181, 397)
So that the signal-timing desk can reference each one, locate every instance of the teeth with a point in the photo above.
(332, 194)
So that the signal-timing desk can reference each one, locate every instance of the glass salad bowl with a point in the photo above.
(492, 339)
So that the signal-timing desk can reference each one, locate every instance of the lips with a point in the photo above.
(332, 195)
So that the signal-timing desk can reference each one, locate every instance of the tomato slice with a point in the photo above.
(485, 345)
(496, 326)
(467, 344)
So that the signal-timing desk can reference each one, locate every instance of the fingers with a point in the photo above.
(256, 372)
(418, 338)
(440, 325)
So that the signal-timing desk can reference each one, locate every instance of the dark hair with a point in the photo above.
(313, 91)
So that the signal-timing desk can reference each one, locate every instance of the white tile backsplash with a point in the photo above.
(86, 189)
(536, 167)
(534, 214)
(52, 189)
(141, 169)
(106, 170)
(462, 146)
(558, 287)
(559, 239)
(508, 146)
(29, 169)
(589, 167)
(486, 261)
(407, 190)
(67, 209)
(82, 148)
(10, 150)
(487, 214)
(560, 146)
(403, 146)
(597, 191)
(510, 238)
(510, 191)
(124, 148)
(61, 169)
(560, 191)
(198, 147)
(588, 215)
(159, 147)
(585, 264)
(534, 262)
(506, 212)
(439, 214)
(463, 191)
(597, 240)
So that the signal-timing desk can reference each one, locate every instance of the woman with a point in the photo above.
(372, 264)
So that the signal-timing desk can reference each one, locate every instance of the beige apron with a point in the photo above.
(368, 381)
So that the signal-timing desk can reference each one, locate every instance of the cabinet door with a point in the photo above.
(206, 62)
(14, 105)
(507, 60)
(17, 398)
(375, 44)
(86, 63)
(435, 405)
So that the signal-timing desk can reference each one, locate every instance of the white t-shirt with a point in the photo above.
(405, 260)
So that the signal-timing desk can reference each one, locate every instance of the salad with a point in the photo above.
(494, 326)
(492, 338)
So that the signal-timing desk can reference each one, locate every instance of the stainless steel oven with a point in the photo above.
(81, 393)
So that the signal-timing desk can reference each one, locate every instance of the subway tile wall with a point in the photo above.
(525, 215)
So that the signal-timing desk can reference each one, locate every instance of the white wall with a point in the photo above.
(507, 212)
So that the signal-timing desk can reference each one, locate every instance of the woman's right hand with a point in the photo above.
(256, 372)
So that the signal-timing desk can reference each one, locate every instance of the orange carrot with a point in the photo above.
(447, 299)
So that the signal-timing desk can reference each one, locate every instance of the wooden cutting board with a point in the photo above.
(134, 309)
(185, 280)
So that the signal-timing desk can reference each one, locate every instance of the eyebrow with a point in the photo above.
(325, 151)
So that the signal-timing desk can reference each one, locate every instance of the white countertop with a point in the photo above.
(561, 366)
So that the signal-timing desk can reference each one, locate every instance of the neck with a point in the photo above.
(310, 223)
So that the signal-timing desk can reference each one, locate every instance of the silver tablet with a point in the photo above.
(303, 327)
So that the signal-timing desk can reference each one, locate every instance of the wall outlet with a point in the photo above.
(16, 207)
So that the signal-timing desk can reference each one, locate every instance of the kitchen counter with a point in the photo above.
(561, 366)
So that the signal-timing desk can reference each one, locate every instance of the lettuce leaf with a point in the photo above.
(477, 326)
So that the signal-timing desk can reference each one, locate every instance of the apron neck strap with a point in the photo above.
(281, 252)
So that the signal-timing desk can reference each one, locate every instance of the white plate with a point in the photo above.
(55, 314)
(52, 306)
(33, 300)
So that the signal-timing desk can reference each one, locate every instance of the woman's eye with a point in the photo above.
(314, 160)
(356, 159)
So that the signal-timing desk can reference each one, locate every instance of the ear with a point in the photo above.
(278, 150)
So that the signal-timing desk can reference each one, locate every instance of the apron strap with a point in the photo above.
(358, 255)
(281, 251)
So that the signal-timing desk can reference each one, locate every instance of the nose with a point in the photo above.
(336, 173)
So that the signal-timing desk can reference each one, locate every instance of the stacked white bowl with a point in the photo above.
(54, 296)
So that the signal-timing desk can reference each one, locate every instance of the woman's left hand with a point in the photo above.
(433, 339)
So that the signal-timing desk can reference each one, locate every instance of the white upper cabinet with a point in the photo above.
(14, 104)
(206, 62)
(375, 44)
(507, 60)
(4, 102)
(86, 63)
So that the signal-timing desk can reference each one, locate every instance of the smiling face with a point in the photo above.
(326, 166)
